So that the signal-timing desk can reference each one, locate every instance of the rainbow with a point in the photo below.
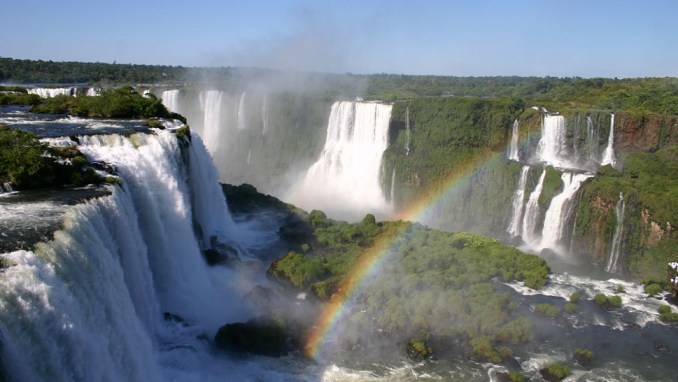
(338, 305)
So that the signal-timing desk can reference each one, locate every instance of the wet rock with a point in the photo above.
(257, 336)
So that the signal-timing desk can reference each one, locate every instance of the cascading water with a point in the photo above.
(346, 176)
(88, 304)
(210, 101)
(51, 92)
(264, 114)
(407, 127)
(592, 139)
(170, 98)
(513, 148)
(242, 119)
(608, 155)
(392, 193)
(518, 204)
(531, 216)
(615, 250)
(559, 211)
(552, 147)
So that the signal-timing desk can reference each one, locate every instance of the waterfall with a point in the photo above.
(608, 155)
(558, 212)
(513, 151)
(211, 103)
(392, 194)
(407, 127)
(51, 92)
(346, 177)
(249, 156)
(92, 92)
(242, 120)
(552, 147)
(592, 139)
(531, 216)
(264, 115)
(615, 250)
(170, 98)
(518, 204)
(155, 176)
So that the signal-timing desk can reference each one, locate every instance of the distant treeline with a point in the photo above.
(655, 95)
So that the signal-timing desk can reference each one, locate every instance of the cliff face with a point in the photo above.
(646, 133)
(453, 151)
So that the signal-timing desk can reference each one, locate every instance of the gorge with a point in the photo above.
(122, 290)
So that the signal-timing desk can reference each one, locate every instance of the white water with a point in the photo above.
(392, 193)
(51, 92)
(552, 147)
(242, 120)
(592, 139)
(87, 306)
(407, 127)
(170, 98)
(210, 102)
(531, 216)
(518, 204)
(513, 149)
(264, 115)
(559, 211)
(345, 179)
(608, 154)
(615, 250)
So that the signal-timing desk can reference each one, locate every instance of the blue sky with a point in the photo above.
(586, 38)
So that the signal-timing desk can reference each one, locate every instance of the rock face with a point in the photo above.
(257, 336)
(646, 133)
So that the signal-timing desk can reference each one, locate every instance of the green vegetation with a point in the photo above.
(121, 102)
(433, 282)
(584, 357)
(516, 376)
(27, 163)
(571, 307)
(555, 372)
(547, 309)
(417, 350)
(653, 289)
(608, 301)
(575, 297)
(666, 314)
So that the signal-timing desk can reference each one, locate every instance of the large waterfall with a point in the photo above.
(87, 305)
(608, 155)
(518, 204)
(531, 217)
(552, 148)
(345, 180)
(210, 101)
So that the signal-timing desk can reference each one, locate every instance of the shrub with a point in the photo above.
(575, 297)
(600, 299)
(614, 301)
(583, 357)
(571, 307)
(516, 376)
(664, 309)
(653, 289)
(555, 372)
(547, 309)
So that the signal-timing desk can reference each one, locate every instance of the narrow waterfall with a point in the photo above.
(249, 156)
(558, 212)
(392, 193)
(264, 115)
(407, 127)
(518, 204)
(552, 147)
(88, 305)
(170, 98)
(615, 250)
(210, 101)
(242, 119)
(346, 178)
(531, 216)
(513, 149)
(608, 155)
(592, 139)
(92, 92)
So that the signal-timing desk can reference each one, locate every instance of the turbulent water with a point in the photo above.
(122, 292)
